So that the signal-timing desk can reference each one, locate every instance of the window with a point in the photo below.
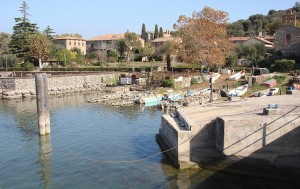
(69, 43)
(287, 38)
(74, 43)
(82, 44)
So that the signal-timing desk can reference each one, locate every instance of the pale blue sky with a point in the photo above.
(96, 17)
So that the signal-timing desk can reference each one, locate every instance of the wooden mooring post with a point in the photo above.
(41, 85)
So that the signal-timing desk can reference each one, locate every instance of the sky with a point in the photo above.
(97, 17)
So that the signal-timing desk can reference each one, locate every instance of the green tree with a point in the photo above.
(161, 32)
(4, 43)
(21, 32)
(113, 55)
(76, 49)
(121, 48)
(143, 28)
(156, 32)
(132, 43)
(148, 50)
(8, 60)
(39, 47)
(168, 49)
(49, 32)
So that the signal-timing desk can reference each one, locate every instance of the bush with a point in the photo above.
(28, 66)
(194, 81)
(279, 78)
(168, 83)
(283, 65)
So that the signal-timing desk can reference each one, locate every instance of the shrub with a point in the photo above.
(168, 83)
(279, 78)
(283, 65)
(28, 66)
(194, 81)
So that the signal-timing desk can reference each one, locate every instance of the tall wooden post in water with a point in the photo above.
(41, 85)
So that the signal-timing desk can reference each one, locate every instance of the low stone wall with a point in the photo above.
(13, 88)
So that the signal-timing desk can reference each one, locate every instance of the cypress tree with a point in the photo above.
(156, 32)
(19, 44)
(143, 28)
(161, 32)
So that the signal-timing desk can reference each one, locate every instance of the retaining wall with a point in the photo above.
(11, 88)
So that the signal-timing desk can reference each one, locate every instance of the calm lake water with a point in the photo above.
(95, 146)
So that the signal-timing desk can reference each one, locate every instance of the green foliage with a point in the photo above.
(194, 81)
(232, 60)
(4, 42)
(161, 32)
(76, 49)
(283, 65)
(156, 32)
(28, 66)
(10, 59)
(143, 28)
(259, 23)
(121, 48)
(168, 83)
(19, 44)
(49, 33)
(279, 78)
(113, 55)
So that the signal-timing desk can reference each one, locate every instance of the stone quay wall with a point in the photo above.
(12, 88)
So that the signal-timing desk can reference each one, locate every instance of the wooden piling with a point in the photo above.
(42, 103)
(46, 105)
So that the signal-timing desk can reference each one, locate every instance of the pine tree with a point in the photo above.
(48, 32)
(156, 32)
(19, 44)
(161, 32)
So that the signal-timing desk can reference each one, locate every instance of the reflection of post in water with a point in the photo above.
(45, 160)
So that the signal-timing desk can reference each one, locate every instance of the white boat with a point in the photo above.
(237, 75)
(267, 92)
(273, 91)
(239, 91)
(213, 77)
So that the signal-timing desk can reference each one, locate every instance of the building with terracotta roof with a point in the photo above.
(258, 39)
(104, 42)
(70, 42)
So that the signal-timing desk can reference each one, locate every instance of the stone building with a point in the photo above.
(104, 42)
(287, 37)
(287, 40)
(289, 18)
(70, 42)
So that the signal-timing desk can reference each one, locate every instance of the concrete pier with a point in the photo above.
(233, 131)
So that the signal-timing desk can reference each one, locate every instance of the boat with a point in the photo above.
(213, 77)
(198, 92)
(237, 75)
(267, 92)
(150, 99)
(170, 95)
(273, 91)
(239, 91)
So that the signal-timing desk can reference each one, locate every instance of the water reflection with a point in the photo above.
(45, 153)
